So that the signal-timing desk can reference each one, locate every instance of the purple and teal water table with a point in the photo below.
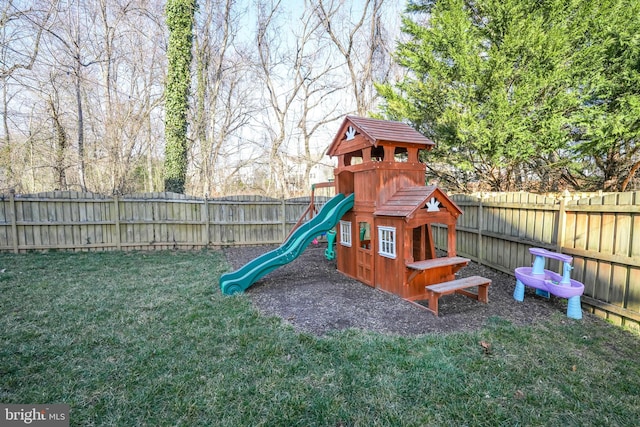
(547, 282)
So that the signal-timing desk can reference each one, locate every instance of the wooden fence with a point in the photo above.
(87, 221)
(602, 233)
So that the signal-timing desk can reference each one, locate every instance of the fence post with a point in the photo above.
(14, 225)
(480, 252)
(284, 219)
(117, 219)
(562, 225)
(205, 217)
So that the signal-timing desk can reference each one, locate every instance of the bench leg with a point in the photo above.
(433, 302)
(483, 293)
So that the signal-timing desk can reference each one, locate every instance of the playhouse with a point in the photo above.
(383, 215)
(386, 239)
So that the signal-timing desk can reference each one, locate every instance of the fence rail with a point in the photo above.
(602, 233)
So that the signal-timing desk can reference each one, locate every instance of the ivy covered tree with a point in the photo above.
(180, 16)
(500, 86)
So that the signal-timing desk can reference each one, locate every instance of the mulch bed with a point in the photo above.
(314, 297)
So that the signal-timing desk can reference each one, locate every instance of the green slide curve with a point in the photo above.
(241, 279)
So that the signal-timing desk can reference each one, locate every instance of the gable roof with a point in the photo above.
(376, 131)
(407, 200)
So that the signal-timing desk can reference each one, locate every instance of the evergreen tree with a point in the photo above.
(490, 82)
(607, 127)
(179, 18)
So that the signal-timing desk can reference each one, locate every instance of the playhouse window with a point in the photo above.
(387, 239)
(354, 158)
(377, 154)
(345, 233)
(365, 235)
(401, 155)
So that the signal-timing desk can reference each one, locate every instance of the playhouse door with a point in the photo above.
(364, 254)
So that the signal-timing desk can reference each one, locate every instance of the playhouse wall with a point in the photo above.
(344, 181)
(346, 255)
(376, 186)
(390, 272)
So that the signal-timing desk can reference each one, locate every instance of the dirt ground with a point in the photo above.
(313, 296)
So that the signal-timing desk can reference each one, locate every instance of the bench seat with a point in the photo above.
(459, 286)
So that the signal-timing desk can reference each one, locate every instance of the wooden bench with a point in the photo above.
(459, 286)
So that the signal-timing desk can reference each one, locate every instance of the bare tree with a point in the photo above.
(319, 94)
(131, 64)
(360, 42)
(301, 81)
(224, 100)
(81, 96)
(68, 49)
(21, 30)
(281, 88)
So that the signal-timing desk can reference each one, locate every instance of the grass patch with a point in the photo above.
(147, 339)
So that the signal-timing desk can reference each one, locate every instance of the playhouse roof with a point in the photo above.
(376, 131)
(407, 200)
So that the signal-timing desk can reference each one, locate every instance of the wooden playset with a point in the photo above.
(386, 239)
(383, 214)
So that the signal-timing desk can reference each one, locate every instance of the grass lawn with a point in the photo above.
(132, 339)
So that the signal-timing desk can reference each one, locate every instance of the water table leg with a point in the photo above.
(574, 311)
(542, 293)
(518, 293)
(538, 265)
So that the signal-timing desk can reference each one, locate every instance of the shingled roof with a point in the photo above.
(377, 131)
(406, 201)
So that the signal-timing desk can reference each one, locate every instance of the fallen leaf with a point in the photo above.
(486, 346)
(519, 394)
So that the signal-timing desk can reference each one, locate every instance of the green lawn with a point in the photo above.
(147, 339)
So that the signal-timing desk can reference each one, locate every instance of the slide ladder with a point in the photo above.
(241, 279)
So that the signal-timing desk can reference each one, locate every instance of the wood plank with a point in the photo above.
(590, 277)
(617, 259)
(46, 230)
(437, 262)
(618, 287)
(521, 224)
(434, 292)
(635, 242)
(454, 285)
(568, 240)
(102, 229)
(581, 231)
(603, 281)
(604, 208)
(539, 225)
(609, 308)
(633, 297)
(622, 226)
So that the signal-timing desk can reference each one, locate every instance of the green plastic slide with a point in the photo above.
(239, 280)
